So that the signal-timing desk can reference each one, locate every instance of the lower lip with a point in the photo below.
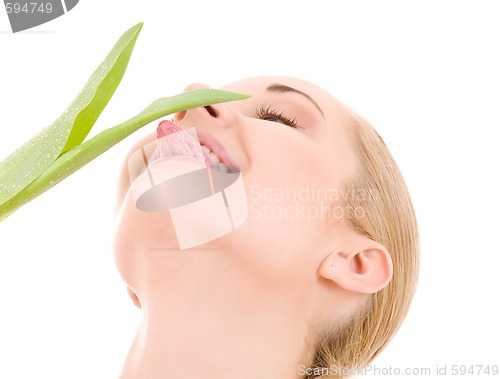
(210, 142)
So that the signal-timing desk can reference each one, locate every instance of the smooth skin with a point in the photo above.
(248, 304)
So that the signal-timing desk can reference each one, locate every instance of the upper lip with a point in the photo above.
(211, 142)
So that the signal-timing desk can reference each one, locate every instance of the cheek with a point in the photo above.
(281, 185)
(275, 252)
(282, 234)
(287, 215)
(282, 156)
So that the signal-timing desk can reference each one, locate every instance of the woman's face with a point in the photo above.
(294, 156)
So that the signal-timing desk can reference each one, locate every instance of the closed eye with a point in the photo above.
(273, 115)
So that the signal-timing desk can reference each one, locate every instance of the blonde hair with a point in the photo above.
(387, 217)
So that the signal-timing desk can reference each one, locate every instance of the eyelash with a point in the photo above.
(269, 112)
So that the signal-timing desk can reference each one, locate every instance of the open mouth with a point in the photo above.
(172, 140)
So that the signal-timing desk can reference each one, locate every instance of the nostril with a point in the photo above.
(179, 116)
(211, 111)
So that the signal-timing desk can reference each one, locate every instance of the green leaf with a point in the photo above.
(28, 162)
(79, 156)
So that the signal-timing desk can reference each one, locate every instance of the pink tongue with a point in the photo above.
(165, 128)
(172, 140)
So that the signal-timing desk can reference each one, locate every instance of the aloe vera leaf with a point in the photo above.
(24, 165)
(80, 155)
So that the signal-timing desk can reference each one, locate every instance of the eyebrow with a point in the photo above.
(278, 87)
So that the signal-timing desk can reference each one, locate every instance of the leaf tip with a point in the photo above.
(136, 28)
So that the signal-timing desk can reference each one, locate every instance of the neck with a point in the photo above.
(231, 334)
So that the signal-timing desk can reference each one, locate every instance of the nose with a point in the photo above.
(218, 114)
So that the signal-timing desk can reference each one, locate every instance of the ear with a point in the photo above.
(367, 270)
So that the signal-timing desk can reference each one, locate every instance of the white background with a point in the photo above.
(425, 74)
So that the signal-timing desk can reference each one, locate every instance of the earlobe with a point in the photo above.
(365, 271)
